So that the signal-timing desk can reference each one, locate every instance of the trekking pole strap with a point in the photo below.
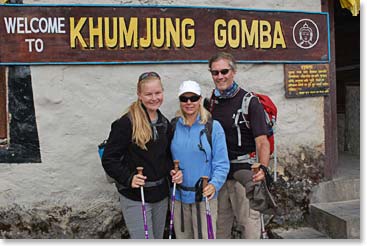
(198, 218)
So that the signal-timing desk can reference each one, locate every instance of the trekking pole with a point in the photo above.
(263, 234)
(173, 198)
(275, 152)
(208, 214)
(140, 171)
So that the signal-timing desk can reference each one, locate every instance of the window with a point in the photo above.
(18, 123)
(19, 142)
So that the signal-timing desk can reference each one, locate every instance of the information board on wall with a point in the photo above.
(100, 34)
(304, 80)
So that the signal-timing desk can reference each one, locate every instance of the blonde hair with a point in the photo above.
(142, 131)
(204, 115)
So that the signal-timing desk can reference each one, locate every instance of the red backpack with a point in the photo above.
(270, 111)
(271, 114)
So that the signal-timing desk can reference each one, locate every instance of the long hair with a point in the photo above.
(142, 131)
(204, 115)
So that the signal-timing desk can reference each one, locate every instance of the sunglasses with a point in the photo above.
(148, 75)
(194, 98)
(223, 71)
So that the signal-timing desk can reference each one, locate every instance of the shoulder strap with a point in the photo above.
(209, 102)
(246, 102)
(246, 105)
(209, 130)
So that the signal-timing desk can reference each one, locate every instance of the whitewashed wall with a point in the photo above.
(75, 106)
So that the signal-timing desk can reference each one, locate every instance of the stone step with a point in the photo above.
(336, 190)
(298, 233)
(340, 220)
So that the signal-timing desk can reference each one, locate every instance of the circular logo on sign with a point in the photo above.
(305, 34)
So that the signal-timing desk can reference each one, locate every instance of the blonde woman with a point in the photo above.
(141, 137)
(197, 158)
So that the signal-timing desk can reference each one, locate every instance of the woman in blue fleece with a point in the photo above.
(197, 158)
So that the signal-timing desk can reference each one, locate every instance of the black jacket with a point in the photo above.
(121, 157)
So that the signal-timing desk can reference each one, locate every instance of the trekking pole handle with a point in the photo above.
(255, 167)
(140, 170)
(176, 164)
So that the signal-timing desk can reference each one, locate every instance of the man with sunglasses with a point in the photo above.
(225, 101)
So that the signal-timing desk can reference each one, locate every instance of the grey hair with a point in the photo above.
(226, 56)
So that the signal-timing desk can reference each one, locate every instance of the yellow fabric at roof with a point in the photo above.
(352, 5)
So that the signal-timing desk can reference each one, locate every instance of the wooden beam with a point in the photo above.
(330, 105)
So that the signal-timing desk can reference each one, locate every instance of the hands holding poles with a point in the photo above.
(259, 174)
(208, 189)
(176, 173)
(138, 179)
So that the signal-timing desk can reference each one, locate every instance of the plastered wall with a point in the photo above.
(75, 105)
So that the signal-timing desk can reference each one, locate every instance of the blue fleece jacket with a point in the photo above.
(194, 162)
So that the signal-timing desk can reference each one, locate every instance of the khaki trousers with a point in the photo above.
(233, 205)
(190, 221)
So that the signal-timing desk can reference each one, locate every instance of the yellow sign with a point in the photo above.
(306, 80)
(119, 34)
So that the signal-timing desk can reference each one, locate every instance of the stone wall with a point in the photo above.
(100, 221)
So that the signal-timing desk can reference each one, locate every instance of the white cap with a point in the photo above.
(189, 86)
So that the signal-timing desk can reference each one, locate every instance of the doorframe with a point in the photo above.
(330, 103)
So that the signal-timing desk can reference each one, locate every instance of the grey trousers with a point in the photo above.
(133, 215)
(234, 205)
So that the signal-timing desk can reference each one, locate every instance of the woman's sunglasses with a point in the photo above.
(148, 74)
(223, 71)
(194, 98)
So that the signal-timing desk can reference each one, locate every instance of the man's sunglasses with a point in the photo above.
(194, 98)
(223, 71)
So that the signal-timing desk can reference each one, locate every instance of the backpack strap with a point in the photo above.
(245, 107)
(241, 114)
(208, 129)
(209, 102)
(237, 125)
